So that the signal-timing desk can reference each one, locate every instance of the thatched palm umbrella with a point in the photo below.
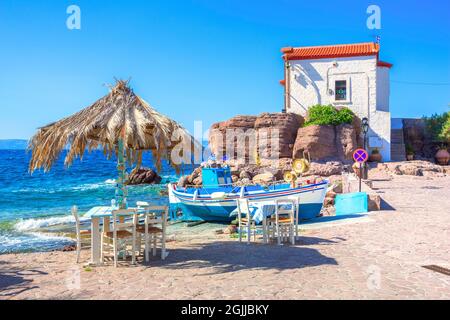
(121, 122)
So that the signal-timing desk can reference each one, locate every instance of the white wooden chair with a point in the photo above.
(123, 234)
(283, 223)
(154, 230)
(296, 201)
(80, 234)
(246, 222)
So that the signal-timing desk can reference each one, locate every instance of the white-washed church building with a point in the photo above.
(350, 75)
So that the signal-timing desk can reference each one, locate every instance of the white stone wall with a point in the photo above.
(310, 82)
(383, 90)
(380, 133)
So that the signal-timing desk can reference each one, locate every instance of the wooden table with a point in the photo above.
(265, 209)
(105, 213)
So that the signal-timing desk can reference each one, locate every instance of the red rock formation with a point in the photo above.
(245, 133)
(235, 128)
(318, 141)
(143, 176)
(327, 142)
(346, 141)
(279, 126)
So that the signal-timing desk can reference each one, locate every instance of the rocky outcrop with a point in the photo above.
(263, 178)
(414, 168)
(327, 142)
(346, 141)
(280, 135)
(329, 199)
(335, 189)
(272, 134)
(194, 179)
(234, 129)
(326, 169)
(318, 141)
(280, 128)
(143, 176)
(374, 202)
(70, 247)
(269, 171)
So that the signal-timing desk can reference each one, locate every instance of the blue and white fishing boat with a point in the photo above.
(217, 199)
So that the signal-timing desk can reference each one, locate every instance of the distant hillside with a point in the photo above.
(13, 144)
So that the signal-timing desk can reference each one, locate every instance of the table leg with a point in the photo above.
(106, 224)
(95, 241)
(265, 230)
(163, 240)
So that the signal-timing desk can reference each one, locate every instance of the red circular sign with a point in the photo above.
(360, 155)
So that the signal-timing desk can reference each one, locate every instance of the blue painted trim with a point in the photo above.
(222, 214)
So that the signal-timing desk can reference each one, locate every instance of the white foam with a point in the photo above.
(47, 236)
(89, 186)
(37, 190)
(30, 241)
(171, 177)
(36, 224)
(8, 241)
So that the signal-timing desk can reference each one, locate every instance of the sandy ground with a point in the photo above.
(379, 258)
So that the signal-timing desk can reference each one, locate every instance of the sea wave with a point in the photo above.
(27, 225)
(43, 201)
(169, 178)
(32, 241)
(91, 186)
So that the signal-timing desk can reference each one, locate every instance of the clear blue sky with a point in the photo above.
(205, 59)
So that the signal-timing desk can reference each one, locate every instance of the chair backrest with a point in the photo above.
(243, 208)
(151, 213)
(285, 207)
(156, 208)
(74, 211)
(121, 224)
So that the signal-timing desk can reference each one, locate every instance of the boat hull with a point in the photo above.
(188, 207)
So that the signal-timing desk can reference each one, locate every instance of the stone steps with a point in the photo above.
(398, 152)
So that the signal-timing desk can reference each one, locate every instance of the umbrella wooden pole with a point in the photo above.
(121, 192)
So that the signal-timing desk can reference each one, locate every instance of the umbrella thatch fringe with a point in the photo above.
(119, 114)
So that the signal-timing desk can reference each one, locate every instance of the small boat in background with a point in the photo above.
(217, 198)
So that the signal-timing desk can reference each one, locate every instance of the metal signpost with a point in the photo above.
(365, 130)
(360, 156)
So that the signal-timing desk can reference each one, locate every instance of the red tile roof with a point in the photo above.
(384, 64)
(333, 51)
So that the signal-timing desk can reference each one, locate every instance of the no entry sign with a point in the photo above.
(360, 155)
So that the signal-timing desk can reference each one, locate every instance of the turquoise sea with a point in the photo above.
(34, 209)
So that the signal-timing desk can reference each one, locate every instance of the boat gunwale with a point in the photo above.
(264, 194)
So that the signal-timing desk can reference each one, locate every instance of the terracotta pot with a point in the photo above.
(442, 157)
(409, 157)
(375, 157)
